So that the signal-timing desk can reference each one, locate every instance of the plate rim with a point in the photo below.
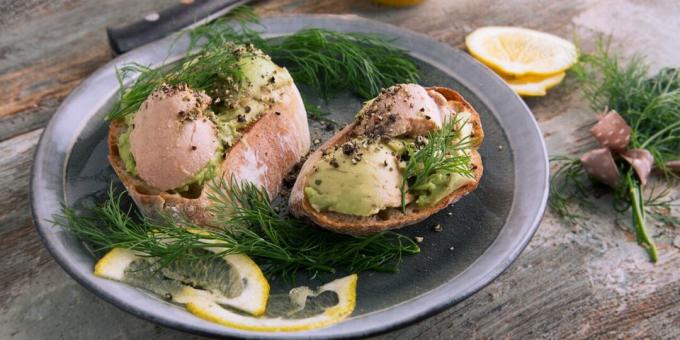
(376, 322)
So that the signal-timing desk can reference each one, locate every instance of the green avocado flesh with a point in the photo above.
(361, 189)
(125, 152)
(261, 79)
(239, 106)
(438, 186)
(441, 184)
(367, 187)
(208, 172)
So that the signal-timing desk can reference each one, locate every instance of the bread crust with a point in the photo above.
(390, 218)
(265, 153)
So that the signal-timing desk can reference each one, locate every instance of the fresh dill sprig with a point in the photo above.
(248, 206)
(568, 187)
(651, 106)
(108, 225)
(329, 62)
(249, 225)
(440, 153)
(326, 61)
(659, 204)
(203, 71)
(236, 27)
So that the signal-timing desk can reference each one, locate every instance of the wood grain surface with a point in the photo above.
(588, 280)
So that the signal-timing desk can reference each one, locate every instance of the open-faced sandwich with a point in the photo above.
(206, 143)
(251, 129)
(410, 152)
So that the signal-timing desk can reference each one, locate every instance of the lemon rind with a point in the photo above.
(112, 265)
(529, 88)
(345, 288)
(474, 41)
(253, 299)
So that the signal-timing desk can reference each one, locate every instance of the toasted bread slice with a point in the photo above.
(266, 152)
(390, 218)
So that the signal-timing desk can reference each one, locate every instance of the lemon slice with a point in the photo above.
(294, 314)
(515, 51)
(531, 86)
(231, 280)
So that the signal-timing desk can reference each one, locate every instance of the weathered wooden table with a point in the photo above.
(581, 281)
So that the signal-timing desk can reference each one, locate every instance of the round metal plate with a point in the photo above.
(483, 233)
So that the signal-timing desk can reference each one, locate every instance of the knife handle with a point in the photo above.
(157, 25)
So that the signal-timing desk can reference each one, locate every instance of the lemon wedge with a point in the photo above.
(232, 280)
(113, 265)
(299, 311)
(515, 51)
(533, 86)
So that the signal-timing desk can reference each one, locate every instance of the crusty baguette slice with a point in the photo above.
(264, 155)
(391, 218)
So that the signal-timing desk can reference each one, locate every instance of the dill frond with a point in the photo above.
(326, 61)
(284, 246)
(439, 154)
(650, 105)
(659, 204)
(236, 27)
(306, 247)
(569, 187)
(329, 62)
(203, 71)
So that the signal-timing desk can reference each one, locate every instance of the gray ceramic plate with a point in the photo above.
(486, 231)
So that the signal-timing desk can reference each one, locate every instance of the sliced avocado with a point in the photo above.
(125, 152)
(365, 188)
(263, 74)
(261, 77)
(362, 188)
(438, 186)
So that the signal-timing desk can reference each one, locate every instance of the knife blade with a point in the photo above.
(156, 25)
